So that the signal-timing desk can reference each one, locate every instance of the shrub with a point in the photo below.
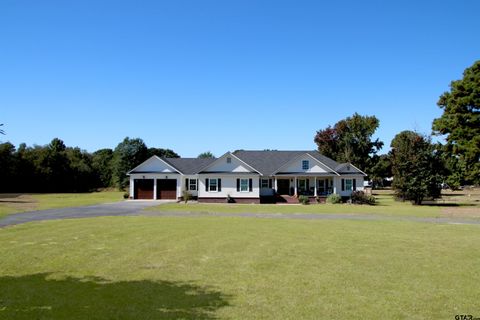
(230, 199)
(303, 200)
(334, 198)
(359, 197)
(126, 195)
(186, 196)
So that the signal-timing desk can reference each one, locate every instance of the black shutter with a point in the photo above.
(219, 185)
(206, 185)
(238, 185)
(196, 185)
(270, 183)
(343, 184)
(308, 184)
(250, 185)
(354, 184)
(186, 185)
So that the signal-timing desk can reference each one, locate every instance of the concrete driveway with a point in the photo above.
(123, 208)
(128, 208)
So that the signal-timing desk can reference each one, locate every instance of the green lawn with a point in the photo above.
(386, 206)
(238, 268)
(13, 203)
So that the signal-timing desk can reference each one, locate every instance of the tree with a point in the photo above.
(127, 155)
(416, 165)
(350, 140)
(381, 169)
(460, 122)
(102, 166)
(205, 155)
(165, 153)
(8, 166)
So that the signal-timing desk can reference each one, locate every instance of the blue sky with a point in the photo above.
(224, 75)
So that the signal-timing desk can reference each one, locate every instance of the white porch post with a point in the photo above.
(154, 188)
(334, 184)
(276, 185)
(295, 186)
(315, 192)
(132, 187)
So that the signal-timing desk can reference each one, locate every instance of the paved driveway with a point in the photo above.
(123, 208)
(128, 208)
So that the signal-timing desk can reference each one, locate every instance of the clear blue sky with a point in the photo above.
(224, 75)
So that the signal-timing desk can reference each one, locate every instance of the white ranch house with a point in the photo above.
(246, 177)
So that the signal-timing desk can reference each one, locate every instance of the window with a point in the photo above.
(305, 165)
(348, 184)
(264, 183)
(243, 185)
(213, 185)
(192, 184)
(229, 160)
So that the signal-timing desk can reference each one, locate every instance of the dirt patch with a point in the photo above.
(19, 202)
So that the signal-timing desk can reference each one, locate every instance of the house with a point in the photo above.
(246, 177)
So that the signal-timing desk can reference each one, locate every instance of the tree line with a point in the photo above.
(419, 167)
(58, 168)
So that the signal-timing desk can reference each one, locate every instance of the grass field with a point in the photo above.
(456, 204)
(13, 203)
(238, 268)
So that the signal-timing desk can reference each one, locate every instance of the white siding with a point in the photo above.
(229, 186)
(175, 176)
(221, 165)
(296, 166)
(154, 165)
(345, 193)
(184, 186)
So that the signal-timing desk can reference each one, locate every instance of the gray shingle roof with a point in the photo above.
(189, 165)
(268, 162)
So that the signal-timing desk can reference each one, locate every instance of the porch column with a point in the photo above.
(315, 189)
(295, 186)
(132, 187)
(334, 184)
(275, 184)
(154, 188)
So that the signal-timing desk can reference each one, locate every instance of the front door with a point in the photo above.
(283, 186)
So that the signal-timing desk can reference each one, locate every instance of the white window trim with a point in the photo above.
(194, 184)
(267, 183)
(351, 185)
(248, 185)
(210, 185)
(307, 162)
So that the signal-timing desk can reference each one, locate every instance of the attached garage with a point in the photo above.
(167, 189)
(143, 189)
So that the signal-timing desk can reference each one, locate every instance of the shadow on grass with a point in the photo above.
(37, 297)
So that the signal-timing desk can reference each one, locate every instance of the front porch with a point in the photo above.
(311, 186)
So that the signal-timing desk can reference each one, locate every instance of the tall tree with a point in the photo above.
(165, 153)
(416, 167)
(350, 140)
(102, 165)
(128, 154)
(205, 155)
(460, 122)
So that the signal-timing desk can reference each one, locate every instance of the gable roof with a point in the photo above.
(227, 154)
(268, 162)
(154, 157)
(189, 165)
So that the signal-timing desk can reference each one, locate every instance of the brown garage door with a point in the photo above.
(143, 189)
(166, 189)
